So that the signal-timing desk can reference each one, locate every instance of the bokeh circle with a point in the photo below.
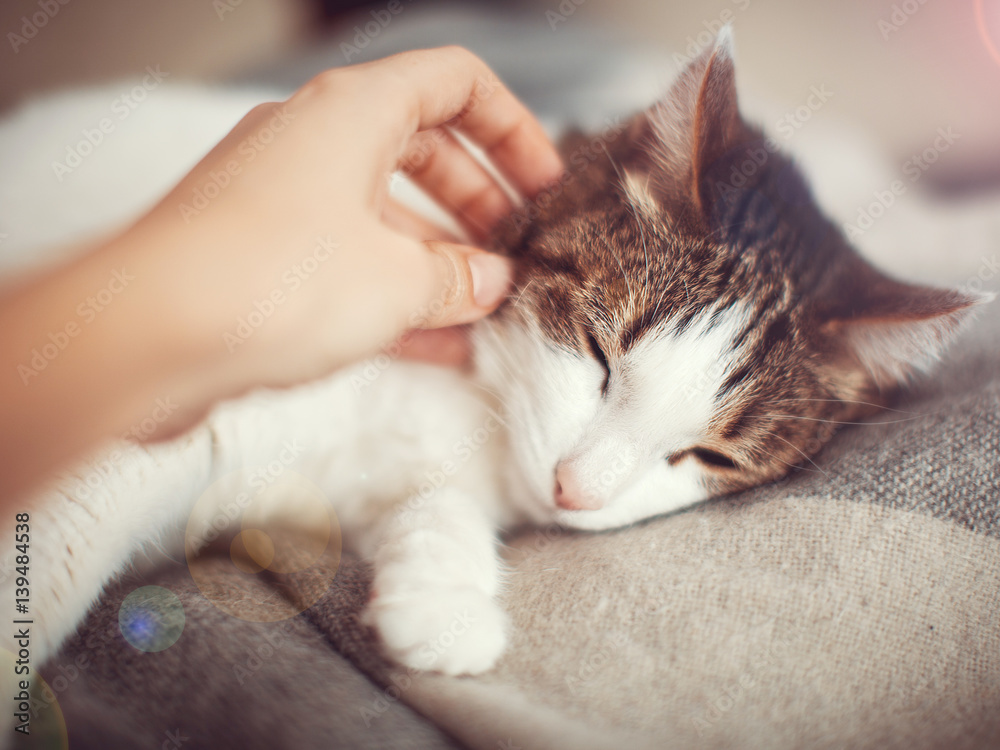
(151, 618)
(263, 529)
(984, 31)
(46, 723)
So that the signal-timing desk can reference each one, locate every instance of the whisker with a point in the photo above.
(527, 286)
(799, 451)
(834, 421)
(845, 401)
(787, 463)
(642, 235)
(618, 260)
(621, 178)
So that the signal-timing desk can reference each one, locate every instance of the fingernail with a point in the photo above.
(490, 278)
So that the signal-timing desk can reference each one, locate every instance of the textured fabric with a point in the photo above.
(855, 604)
(228, 682)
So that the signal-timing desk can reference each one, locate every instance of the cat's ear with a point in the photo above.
(890, 329)
(698, 123)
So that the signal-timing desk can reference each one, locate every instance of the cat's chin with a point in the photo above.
(541, 511)
(595, 520)
(537, 512)
(532, 505)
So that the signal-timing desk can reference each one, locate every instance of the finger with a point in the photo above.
(407, 221)
(439, 164)
(442, 346)
(452, 86)
(438, 284)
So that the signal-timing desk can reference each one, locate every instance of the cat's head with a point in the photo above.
(685, 322)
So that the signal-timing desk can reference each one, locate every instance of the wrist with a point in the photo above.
(89, 354)
(163, 329)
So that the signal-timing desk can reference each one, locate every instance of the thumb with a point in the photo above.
(465, 284)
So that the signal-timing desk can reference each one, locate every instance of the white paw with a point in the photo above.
(450, 630)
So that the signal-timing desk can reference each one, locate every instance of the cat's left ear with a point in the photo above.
(890, 330)
(691, 131)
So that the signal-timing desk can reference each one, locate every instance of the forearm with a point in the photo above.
(86, 353)
(152, 325)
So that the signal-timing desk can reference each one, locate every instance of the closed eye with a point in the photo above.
(710, 458)
(713, 458)
(595, 349)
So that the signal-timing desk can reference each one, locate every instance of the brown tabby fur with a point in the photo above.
(648, 228)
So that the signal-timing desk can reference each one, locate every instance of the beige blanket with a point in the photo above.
(853, 605)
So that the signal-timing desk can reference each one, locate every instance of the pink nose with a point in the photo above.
(570, 494)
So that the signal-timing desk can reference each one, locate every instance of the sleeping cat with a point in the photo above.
(685, 323)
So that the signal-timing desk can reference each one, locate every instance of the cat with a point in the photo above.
(681, 327)
(696, 323)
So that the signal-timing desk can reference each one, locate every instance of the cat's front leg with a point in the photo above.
(437, 574)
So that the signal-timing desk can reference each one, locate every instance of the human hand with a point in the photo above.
(279, 257)
(315, 197)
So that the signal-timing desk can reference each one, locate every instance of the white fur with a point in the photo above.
(892, 351)
(638, 195)
(658, 403)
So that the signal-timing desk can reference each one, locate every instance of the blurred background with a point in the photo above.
(898, 69)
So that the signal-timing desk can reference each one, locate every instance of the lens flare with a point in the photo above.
(252, 551)
(984, 30)
(282, 537)
(151, 618)
(36, 701)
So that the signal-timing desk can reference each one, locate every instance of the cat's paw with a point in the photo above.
(452, 631)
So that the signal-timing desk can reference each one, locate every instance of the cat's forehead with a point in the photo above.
(673, 375)
(615, 265)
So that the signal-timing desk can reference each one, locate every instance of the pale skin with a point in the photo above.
(318, 188)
